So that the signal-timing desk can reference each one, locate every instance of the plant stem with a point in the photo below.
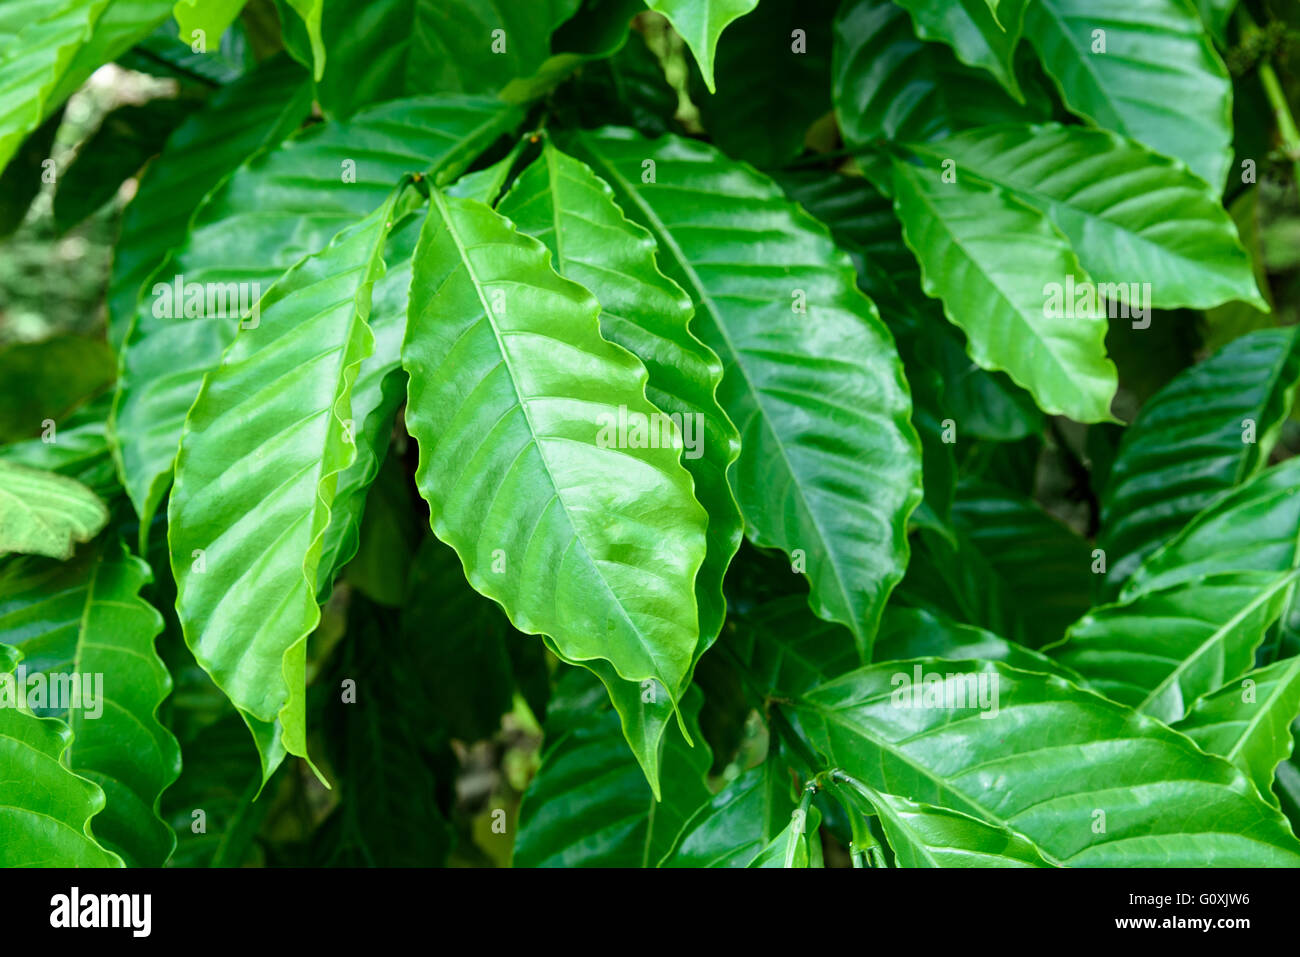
(1268, 78)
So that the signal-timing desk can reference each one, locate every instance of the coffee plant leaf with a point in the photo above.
(890, 85)
(270, 428)
(738, 823)
(785, 324)
(518, 406)
(1120, 65)
(700, 23)
(798, 845)
(567, 821)
(84, 626)
(925, 835)
(1104, 786)
(1210, 429)
(1128, 213)
(978, 37)
(1196, 637)
(988, 256)
(1248, 721)
(42, 513)
(47, 809)
(246, 234)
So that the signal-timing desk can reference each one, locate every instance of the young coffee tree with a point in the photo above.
(649, 433)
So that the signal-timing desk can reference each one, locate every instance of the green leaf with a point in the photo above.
(1189, 444)
(252, 113)
(205, 20)
(1162, 650)
(1044, 566)
(122, 24)
(45, 809)
(1131, 216)
(890, 85)
(38, 39)
(560, 201)
(515, 401)
(589, 804)
(377, 392)
(274, 210)
(987, 256)
(829, 463)
(700, 23)
(979, 36)
(1158, 79)
(268, 430)
(987, 404)
(1251, 528)
(459, 645)
(85, 622)
(78, 449)
(775, 69)
(388, 815)
(386, 49)
(919, 633)
(737, 823)
(42, 513)
(45, 381)
(626, 89)
(798, 845)
(1085, 781)
(1248, 721)
(924, 835)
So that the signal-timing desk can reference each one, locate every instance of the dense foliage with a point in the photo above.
(649, 432)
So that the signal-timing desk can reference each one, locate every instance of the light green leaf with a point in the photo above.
(829, 463)
(589, 805)
(280, 206)
(268, 431)
(976, 34)
(1162, 650)
(45, 809)
(85, 622)
(205, 19)
(79, 450)
(1145, 69)
(1087, 782)
(924, 835)
(1248, 721)
(988, 257)
(737, 823)
(1189, 444)
(560, 201)
(515, 401)
(42, 513)
(1131, 216)
(38, 39)
(700, 23)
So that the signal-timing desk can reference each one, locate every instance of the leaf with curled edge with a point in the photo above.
(280, 206)
(257, 476)
(561, 201)
(515, 401)
(45, 809)
(1046, 764)
(86, 618)
(830, 463)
